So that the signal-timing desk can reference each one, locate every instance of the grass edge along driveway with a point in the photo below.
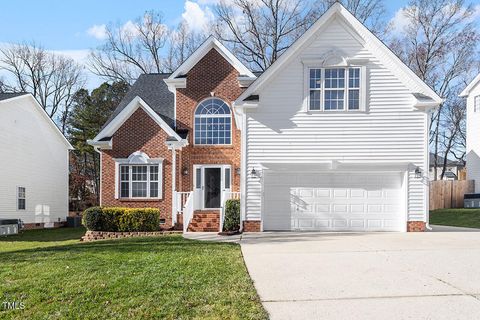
(468, 218)
(57, 277)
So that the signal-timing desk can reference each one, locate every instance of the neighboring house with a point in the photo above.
(332, 137)
(472, 95)
(34, 163)
(453, 169)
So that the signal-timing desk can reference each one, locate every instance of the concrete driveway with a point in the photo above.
(432, 275)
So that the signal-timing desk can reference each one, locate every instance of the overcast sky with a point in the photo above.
(75, 27)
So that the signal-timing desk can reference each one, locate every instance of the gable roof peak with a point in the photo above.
(337, 12)
(210, 43)
(470, 86)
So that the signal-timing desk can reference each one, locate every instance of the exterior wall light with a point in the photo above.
(418, 173)
(254, 173)
(238, 171)
(185, 172)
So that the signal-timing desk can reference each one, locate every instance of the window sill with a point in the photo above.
(335, 112)
(215, 146)
(139, 199)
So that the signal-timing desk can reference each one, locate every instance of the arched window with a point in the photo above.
(213, 122)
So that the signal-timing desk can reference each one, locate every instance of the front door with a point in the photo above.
(209, 183)
(213, 188)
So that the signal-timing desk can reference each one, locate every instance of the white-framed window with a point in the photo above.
(21, 198)
(139, 177)
(139, 181)
(476, 104)
(336, 88)
(213, 123)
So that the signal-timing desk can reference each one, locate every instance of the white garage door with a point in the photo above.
(343, 201)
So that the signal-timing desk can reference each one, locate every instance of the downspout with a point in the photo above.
(427, 170)
(174, 193)
(100, 186)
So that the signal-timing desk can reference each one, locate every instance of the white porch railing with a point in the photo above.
(186, 209)
(180, 201)
(226, 196)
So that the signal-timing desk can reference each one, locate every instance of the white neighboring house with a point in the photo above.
(33, 165)
(452, 171)
(472, 93)
(335, 135)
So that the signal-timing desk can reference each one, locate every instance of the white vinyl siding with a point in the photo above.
(389, 131)
(34, 157)
(473, 132)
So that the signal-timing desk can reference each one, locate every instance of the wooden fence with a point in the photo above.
(446, 194)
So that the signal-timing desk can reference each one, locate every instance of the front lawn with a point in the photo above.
(469, 218)
(57, 277)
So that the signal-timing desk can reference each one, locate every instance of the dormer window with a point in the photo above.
(335, 89)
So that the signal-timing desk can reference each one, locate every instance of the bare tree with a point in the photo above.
(182, 43)
(131, 49)
(51, 78)
(259, 31)
(453, 135)
(437, 45)
(369, 12)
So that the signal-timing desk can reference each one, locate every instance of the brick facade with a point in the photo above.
(252, 226)
(139, 133)
(416, 226)
(212, 74)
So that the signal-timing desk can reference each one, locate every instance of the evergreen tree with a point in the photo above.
(89, 113)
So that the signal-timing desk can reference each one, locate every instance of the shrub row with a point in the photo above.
(121, 219)
(232, 215)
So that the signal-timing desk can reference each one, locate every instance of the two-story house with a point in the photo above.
(332, 137)
(472, 95)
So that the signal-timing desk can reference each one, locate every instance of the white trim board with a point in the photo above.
(470, 86)
(210, 43)
(118, 121)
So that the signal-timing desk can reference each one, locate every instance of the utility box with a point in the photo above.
(471, 200)
(74, 222)
(9, 226)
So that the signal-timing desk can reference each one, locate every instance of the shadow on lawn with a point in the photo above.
(46, 235)
(166, 244)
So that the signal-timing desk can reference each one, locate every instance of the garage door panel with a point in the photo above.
(333, 202)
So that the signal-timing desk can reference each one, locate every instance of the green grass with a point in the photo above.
(57, 277)
(469, 218)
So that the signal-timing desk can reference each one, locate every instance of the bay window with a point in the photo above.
(335, 89)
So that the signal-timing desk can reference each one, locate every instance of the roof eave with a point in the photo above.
(104, 145)
(177, 83)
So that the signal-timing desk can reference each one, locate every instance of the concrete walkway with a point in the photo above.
(431, 275)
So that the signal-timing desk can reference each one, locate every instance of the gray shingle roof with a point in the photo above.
(5, 96)
(153, 90)
(440, 160)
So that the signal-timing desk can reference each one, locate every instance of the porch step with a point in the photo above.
(205, 221)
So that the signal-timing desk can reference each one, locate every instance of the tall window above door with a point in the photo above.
(213, 123)
(335, 89)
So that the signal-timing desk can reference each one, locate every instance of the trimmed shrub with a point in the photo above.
(94, 219)
(139, 220)
(121, 219)
(232, 215)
